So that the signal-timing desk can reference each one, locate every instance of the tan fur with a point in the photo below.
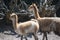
(46, 22)
(43, 22)
(24, 28)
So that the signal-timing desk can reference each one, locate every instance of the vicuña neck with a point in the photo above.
(36, 12)
(15, 22)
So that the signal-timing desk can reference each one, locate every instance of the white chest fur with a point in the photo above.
(31, 29)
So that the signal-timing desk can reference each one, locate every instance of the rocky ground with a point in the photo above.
(8, 36)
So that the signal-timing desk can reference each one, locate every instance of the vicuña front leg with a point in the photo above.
(35, 36)
(45, 36)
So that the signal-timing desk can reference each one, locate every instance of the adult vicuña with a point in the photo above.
(25, 27)
(46, 23)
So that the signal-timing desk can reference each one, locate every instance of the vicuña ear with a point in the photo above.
(34, 4)
(30, 6)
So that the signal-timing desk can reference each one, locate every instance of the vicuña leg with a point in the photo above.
(35, 36)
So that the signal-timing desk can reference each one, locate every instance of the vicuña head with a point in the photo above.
(13, 16)
(34, 8)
